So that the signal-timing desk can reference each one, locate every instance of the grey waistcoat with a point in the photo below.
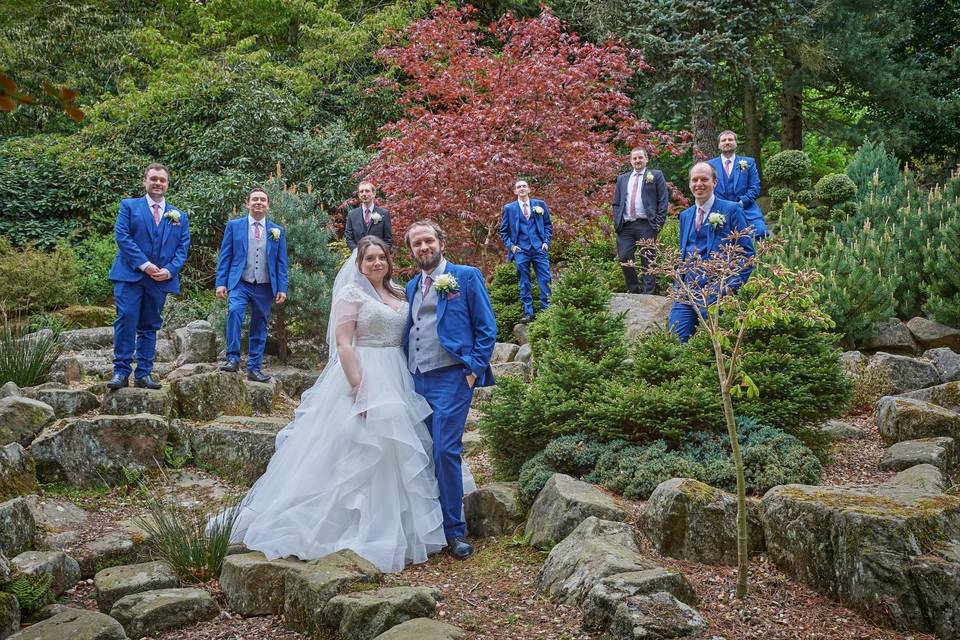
(424, 351)
(255, 269)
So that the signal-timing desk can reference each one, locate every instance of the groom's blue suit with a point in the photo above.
(742, 186)
(463, 342)
(138, 297)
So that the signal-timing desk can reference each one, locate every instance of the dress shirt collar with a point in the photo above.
(441, 268)
(706, 206)
(161, 202)
(251, 221)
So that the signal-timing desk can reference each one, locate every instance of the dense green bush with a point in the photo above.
(826, 156)
(35, 280)
(587, 380)
(942, 260)
(771, 457)
(874, 170)
(835, 188)
(95, 253)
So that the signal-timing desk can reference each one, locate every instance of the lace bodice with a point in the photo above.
(380, 326)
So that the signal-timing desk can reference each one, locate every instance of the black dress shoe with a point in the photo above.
(118, 382)
(526, 319)
(232, 366)
(146, 382)
(460, 548)
(257, 376)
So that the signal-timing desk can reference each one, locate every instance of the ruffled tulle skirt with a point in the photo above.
(350, 473)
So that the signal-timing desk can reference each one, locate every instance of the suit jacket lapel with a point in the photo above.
(164, 227)
(147, 213)
(686, 226)
(244, 236)
(271, 249)
(442, 298)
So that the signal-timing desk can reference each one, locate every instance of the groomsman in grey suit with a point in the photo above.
(368, 219)
(639, 210)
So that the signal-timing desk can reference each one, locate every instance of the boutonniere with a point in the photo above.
(446, 283)
(173, 216)
(743, 165)
(716, 219)
(375, 217)
(648, 178)
(538, 210)
(275, 234)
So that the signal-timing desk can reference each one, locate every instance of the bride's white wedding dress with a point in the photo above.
(352, 472)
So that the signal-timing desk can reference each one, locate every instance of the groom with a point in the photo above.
(449, 339)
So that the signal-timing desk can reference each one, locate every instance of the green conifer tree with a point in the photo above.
(942, 263)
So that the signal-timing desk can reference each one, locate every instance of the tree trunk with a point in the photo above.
(791, 105)
(293, 32)
(702, 122)
(751, 115)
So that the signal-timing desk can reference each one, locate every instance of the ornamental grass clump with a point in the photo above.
(26, 359)
(192, 543)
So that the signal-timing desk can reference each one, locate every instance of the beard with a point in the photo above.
(429, 263)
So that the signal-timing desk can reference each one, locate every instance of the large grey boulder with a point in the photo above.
(690, 520)
(204, 396)
(867, 546)
(422, 629)
(932, 334)
(519, 332)
(65, 402)
(605, 597)
(9, 389)
(63, 570)
(840, 431)
(129, 543)
(9, 615)
(938, 452)
(892, 336)
(902, 418)
(67, 369)
(562, 504)
(236, 447)
(18, 475)
(658, 616)
(503, 352)
(133, 400)
(21, 419)
(6, 571)
(153, 612)
(58, 521)
(83, 339)
(946, 395)
(253, 585)
(644, 313)
(74, 624)
(17, 527)
(192, 369)
(492, 510)
(116, 582)
(472, 443)
(512, 369)
(308, 589)
(946, 361)
(196, 342)
(903, 373)
(91, 452)
(294, 381)
(524, 354)
(594, 550)
(364, 615)
(262, 396)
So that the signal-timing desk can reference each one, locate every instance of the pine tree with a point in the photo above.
(942, 262)
(875, 171)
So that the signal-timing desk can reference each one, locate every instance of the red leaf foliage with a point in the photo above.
(521, 98)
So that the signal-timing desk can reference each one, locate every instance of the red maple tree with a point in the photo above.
(523, 98)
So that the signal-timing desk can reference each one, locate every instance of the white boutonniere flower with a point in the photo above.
(173, 216)
(275, 234)
(538, 210)
(743, 165)
(648, 178)
(446, 283)
(375, 217)
(716, 219)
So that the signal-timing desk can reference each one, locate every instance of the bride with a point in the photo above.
(354, 468)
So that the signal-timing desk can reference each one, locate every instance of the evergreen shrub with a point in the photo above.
(32, 279)
(771, 458)
(835, 188)
(504, 293)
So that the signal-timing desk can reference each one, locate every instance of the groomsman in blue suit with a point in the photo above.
(526, 231)
(704, 228)
(153, 238)
(739, 181)
(448, 340)
(251, 271)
